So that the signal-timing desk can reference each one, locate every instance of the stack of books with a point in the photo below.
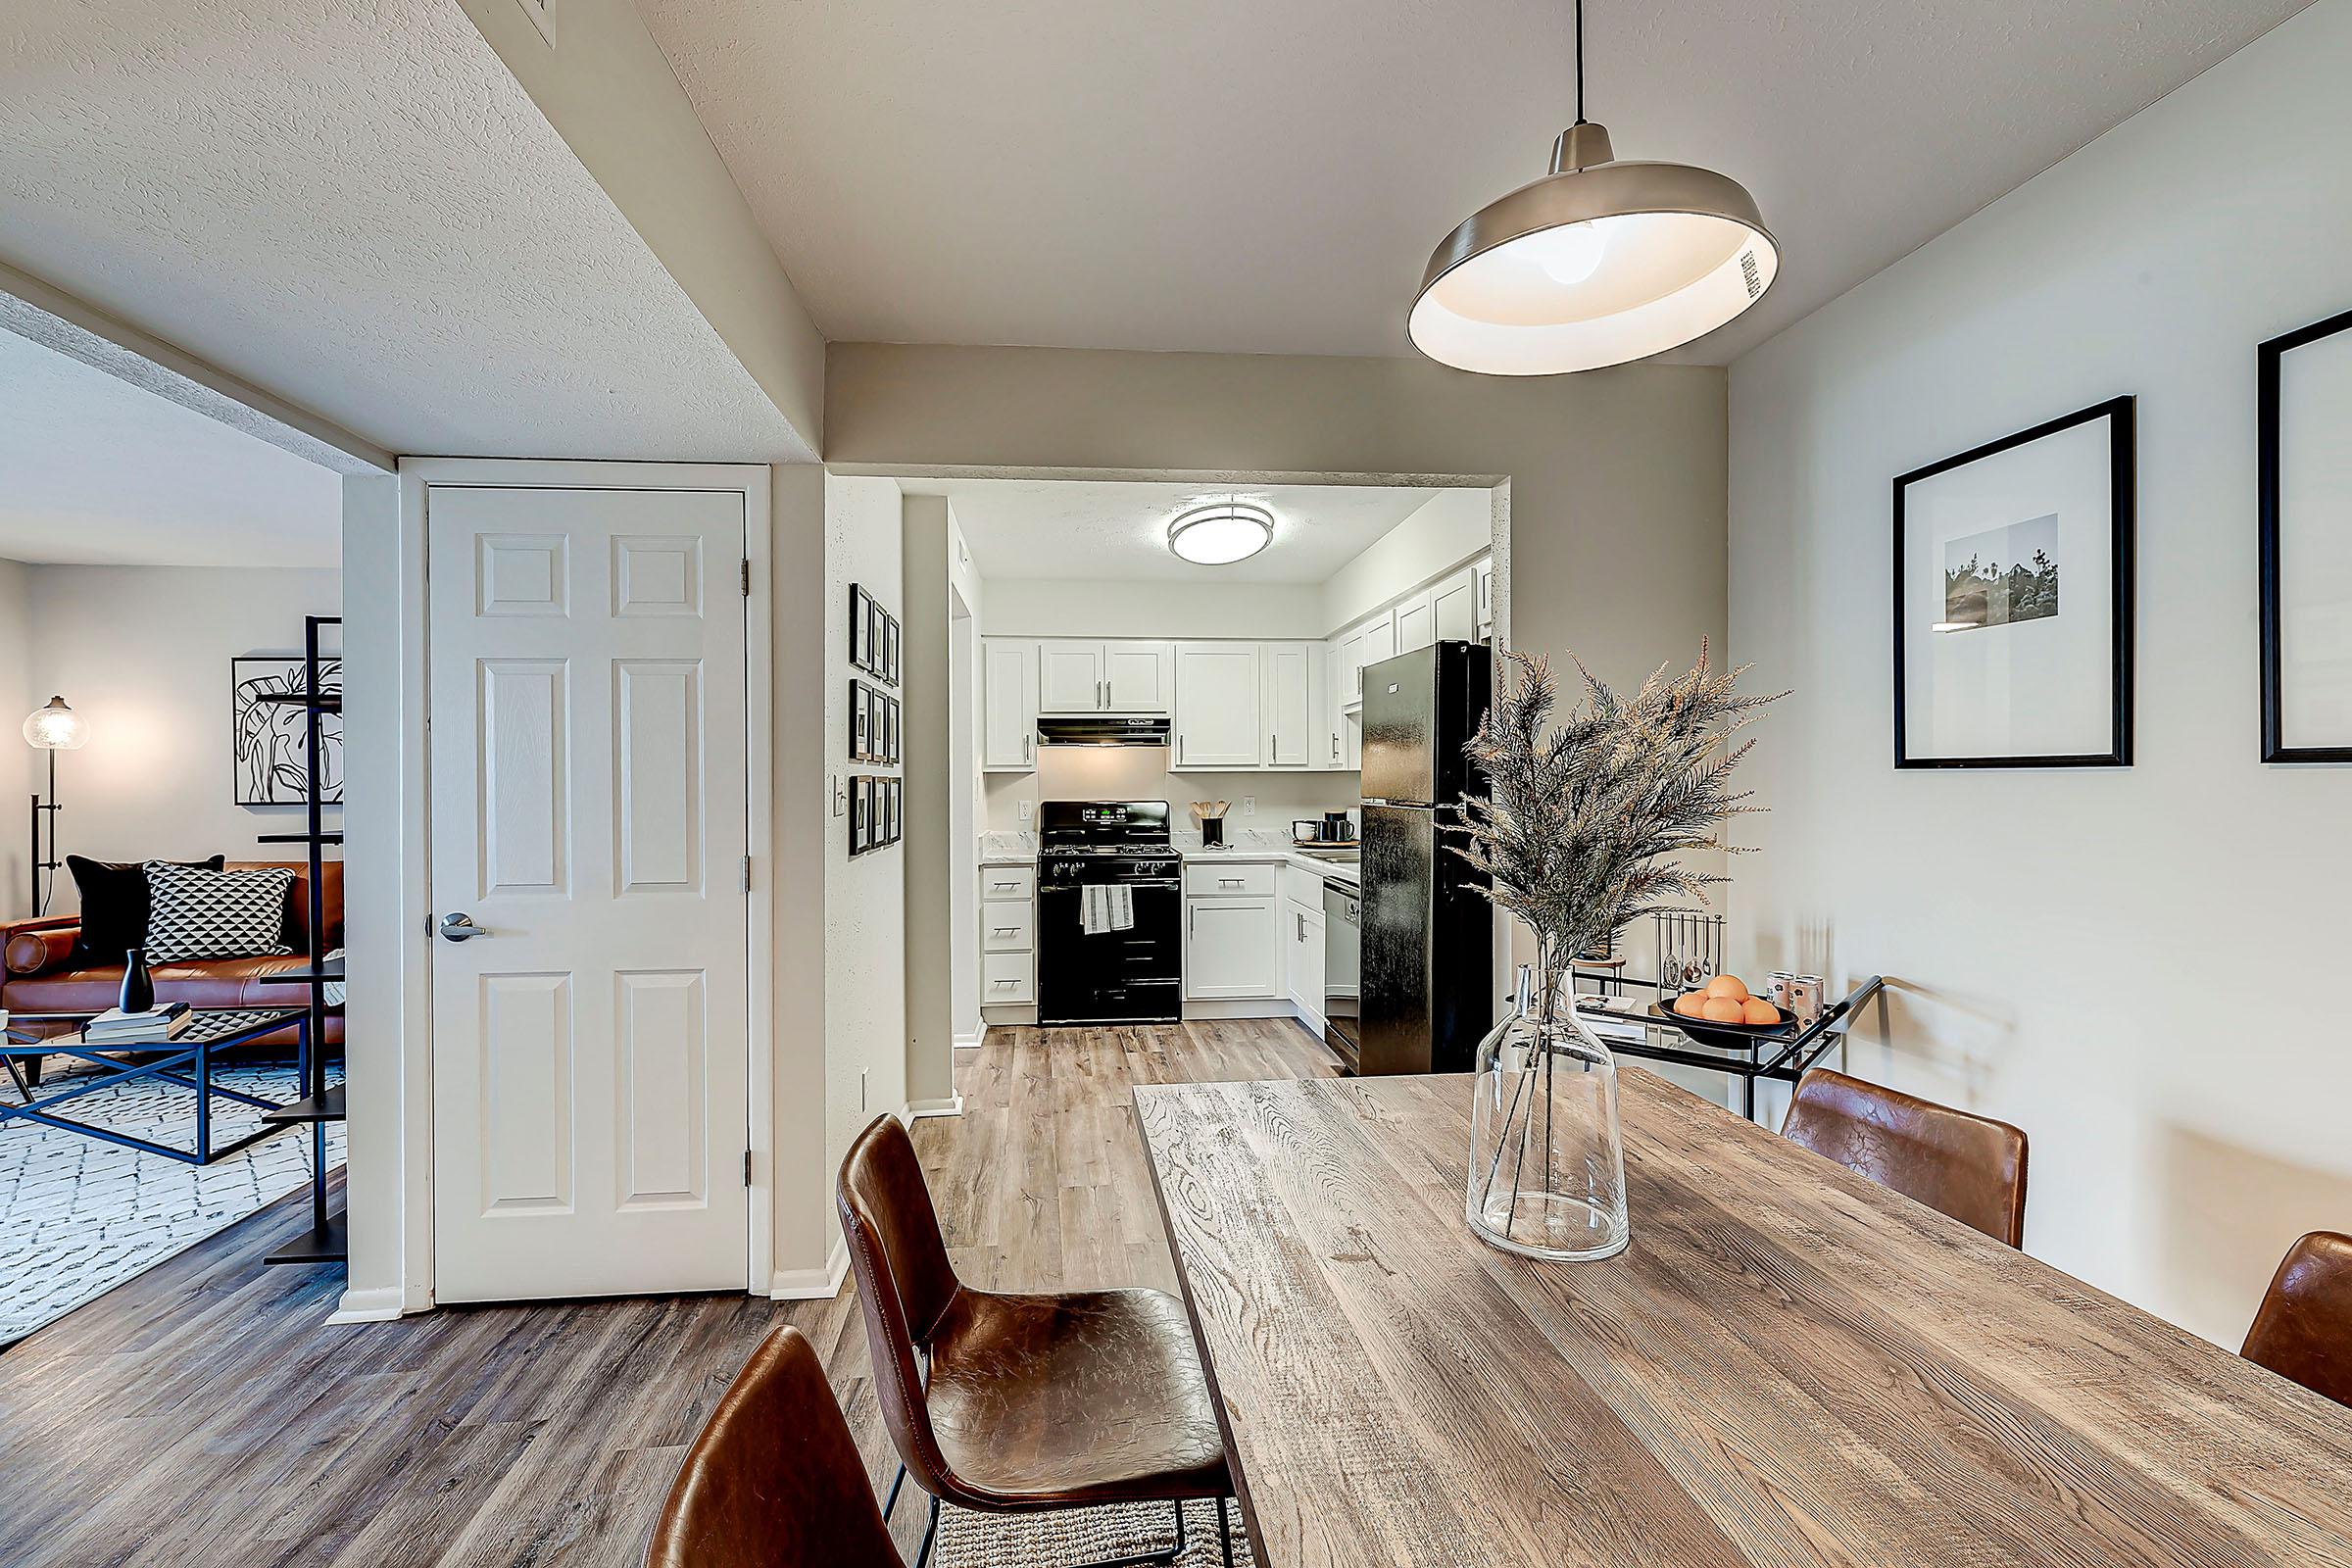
(114, 1027)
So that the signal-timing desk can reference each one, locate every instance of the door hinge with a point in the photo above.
(747, 576)
(747, 1167)
(747, 873)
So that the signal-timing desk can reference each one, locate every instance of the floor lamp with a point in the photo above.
(53, 729)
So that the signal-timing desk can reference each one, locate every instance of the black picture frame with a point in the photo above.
(2123, 462)
(2268, 525)
(862, 617)
(861, 722)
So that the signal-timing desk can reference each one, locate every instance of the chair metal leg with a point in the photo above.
(922, 1557)
(1145, 1559)
(892, 1501)
(1225, 1532)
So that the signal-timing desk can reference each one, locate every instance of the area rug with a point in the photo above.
(79, 1216)
(970, 1539)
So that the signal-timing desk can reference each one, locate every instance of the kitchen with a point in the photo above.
(1170, 794)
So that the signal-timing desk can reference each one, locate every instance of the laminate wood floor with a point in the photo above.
(204, 1413)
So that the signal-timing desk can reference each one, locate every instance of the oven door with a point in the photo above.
(1131, 976)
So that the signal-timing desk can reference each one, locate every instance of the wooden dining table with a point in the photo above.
(1789, 1364)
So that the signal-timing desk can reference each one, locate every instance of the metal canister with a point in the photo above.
(1804, 998)
(1775, 989)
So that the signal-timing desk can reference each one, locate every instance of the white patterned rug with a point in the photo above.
(970, 1539)
(79, 1216)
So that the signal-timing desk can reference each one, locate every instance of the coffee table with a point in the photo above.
(187, 1061)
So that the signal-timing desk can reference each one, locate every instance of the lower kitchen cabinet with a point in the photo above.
(1230, 949)
(1303, 960)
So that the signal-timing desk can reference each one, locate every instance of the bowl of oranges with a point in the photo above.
(1722, 1013)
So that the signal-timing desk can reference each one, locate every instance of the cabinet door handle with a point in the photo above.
(1231, 882)
(1003, 930)
(1027, 742)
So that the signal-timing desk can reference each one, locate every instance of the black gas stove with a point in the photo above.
(1109, 913)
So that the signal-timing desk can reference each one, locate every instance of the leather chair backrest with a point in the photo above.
(906, 1284)
(775, 1479)
(2304, 1329)
(1968, 1167)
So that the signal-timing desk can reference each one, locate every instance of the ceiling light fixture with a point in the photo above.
(1221, 534)
(1596, 264)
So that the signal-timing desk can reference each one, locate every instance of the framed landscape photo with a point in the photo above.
(2304, 464)
(2013, 600)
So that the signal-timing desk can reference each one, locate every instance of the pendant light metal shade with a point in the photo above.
(1596, 264)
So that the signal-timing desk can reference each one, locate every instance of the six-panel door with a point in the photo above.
(589, 1055)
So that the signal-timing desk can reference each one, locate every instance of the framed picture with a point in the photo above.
(861, 624)
(269, 738)
(890, 649)
(2013, 600)
(861, 722)
(861, 816)
(891, 795)
(888, 748)
(2305, 518)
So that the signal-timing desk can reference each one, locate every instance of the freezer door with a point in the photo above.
(1400, 709)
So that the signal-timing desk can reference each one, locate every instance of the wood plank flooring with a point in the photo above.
(203, 1413)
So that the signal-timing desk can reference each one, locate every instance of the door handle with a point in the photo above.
(459, 927)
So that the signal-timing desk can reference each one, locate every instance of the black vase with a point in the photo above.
(138, 989)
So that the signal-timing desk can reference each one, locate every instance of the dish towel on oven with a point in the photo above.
(1105, 906)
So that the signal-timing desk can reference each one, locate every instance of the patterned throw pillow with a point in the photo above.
(195, 913)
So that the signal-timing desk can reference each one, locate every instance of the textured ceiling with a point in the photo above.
(1117, 530)
(95, 470)
(1240, 176)
(353, 204)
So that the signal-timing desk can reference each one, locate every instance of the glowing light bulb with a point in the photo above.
(1570, 253)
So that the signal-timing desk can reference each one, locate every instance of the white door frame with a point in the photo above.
(416, 1162)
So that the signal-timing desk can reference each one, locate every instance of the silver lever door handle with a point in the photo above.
(459, 927)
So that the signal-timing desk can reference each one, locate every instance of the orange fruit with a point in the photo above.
(1728, 985)
(1690, 1003)
(1759, 1011)
(1723, 1009)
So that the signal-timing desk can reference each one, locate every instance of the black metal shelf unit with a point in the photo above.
(324, 1242)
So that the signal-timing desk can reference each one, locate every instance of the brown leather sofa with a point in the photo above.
(37, 973)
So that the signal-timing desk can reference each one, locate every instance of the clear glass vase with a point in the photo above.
(1546, 1160)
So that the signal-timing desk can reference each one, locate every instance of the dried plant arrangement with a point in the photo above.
(1582, 826)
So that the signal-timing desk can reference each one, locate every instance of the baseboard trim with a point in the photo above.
(1268, 1008)
(382, 1305)
(919, 1109)
(972, 1042)
(810, 1284)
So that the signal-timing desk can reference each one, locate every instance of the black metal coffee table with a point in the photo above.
(188, 1053)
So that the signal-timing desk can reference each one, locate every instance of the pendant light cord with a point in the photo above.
(1580, 62)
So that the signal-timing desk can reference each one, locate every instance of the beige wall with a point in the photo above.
(16, 763)
(932, 849)
(1616, 545)
(1029, 607)
(1453, 525)
(2135, 964)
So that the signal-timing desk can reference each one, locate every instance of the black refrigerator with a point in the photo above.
(1427, 929)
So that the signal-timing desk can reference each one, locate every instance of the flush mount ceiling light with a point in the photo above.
(1221, 534)
(1596, 264)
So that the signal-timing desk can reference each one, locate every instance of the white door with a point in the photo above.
(1230, 949)
(1069, 677)
(1139, 677)
(1217, 695)
(1454, 608)
(1291, 734)
(1416, 625)
(590, 1042)
(1009, 699)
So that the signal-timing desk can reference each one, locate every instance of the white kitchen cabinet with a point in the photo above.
(1486, 598)
(1380, 642)
(1218, 707)
(1089, 677)
(1416, 622)
(1230, 949)
(1303, 960)
(1454, 608)
(1347, 669)
(1295, 731)
(1008, 686)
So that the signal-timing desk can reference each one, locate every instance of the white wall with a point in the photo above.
(16, 760)
(143, 652)
(1448, 529)
(865, 899)
(1042, 608)
(2137, 965)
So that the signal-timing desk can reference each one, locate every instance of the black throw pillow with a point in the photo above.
(113, 906)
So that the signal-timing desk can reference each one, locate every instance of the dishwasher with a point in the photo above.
(1342, 993)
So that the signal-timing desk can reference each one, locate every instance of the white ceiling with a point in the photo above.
(1117, 530)
(96, 470)
(1243, 176)
(356, 206)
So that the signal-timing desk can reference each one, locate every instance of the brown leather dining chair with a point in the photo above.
(2304, 1329)
(775, 1479)
(1022, 1402)
(1970, 1167)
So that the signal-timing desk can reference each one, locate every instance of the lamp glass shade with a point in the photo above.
(56, 728)
(1220, 535)
(1592, 267)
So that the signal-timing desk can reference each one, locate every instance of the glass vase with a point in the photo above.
(1546, 1160)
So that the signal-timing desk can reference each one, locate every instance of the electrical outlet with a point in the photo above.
(1249, 805)
(1025, 813)
(861, 1072)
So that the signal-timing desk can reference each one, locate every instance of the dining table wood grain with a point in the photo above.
(1788, 1365)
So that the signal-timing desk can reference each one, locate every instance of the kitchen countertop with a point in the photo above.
(1020, 849)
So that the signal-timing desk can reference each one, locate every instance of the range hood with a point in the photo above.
(1104, 729)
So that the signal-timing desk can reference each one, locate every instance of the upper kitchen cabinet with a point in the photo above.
(1008, 727)
(1416, 622)
(1486, 598)
(1454, 608)
(1089, 677)
(1380, 642)
(1218, 703)
(1295, 731)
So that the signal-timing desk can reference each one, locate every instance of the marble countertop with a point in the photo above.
(1251, 847)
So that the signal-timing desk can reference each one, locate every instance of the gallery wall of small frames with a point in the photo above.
(876, 800)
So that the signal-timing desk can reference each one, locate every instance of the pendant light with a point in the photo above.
(1596, 264)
